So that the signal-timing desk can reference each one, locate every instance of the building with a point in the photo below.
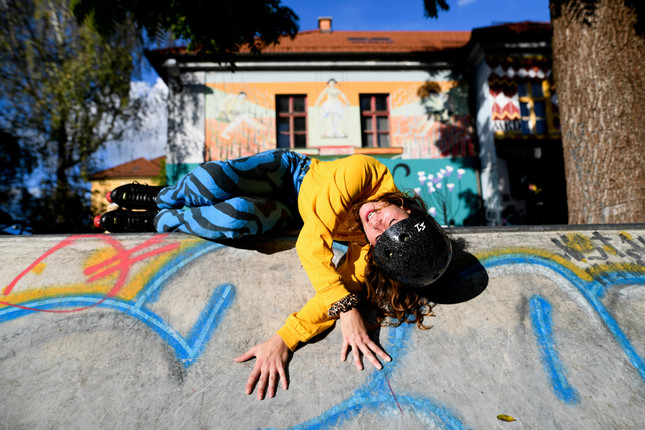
(404, 97)
(151, 172)
(517, 122)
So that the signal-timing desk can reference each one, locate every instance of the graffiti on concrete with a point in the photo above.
(591, 281)
(540, 310)
(377, 394)
(584, 264)
(122, 292)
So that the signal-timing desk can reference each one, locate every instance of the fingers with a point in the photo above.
(246, 356)
(357, 358)
(267, 382)
(367, 349)
(271, 360)
(374, 348)
(355, 336)
(283, 378)
(384, 356)
(367, 352)
(253, 378)
(262, 383)
(344, 350)
(273, 376)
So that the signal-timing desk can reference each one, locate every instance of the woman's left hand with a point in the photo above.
(355, 336)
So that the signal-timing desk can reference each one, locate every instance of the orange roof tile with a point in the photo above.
(316, 41)
(350, 42)
(140, 167)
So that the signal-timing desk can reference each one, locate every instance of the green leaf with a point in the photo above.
(506, 418)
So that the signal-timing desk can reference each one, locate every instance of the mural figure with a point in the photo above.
(332, 111)
(233, 111)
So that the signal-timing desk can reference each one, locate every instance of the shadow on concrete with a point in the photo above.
(265, 244)
(464, 279)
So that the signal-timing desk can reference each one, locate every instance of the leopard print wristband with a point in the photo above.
(343, 305)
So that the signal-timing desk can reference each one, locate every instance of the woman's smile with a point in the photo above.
(376, 217)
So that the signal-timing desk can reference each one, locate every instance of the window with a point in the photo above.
(533, 107)
(375, 120)
(291, 120)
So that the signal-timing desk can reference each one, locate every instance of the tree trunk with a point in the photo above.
(599, 70)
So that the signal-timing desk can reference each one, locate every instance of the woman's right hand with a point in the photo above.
(270, 364)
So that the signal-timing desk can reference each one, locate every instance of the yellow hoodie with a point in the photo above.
(327, 193)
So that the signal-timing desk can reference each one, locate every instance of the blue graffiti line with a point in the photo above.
(376, 395)
(369, 401)
(540, 311)
(150, 292)
(187, 349)
(590, 290)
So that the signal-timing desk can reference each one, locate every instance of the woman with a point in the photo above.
(394, 248)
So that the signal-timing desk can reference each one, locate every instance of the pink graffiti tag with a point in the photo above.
(124, 259)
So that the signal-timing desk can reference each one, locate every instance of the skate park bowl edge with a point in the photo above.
(534, 327)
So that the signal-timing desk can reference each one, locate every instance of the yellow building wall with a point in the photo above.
(240, 117)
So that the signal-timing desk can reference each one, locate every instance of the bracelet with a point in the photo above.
(343, 305)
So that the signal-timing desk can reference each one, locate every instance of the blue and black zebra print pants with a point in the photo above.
(234, 198)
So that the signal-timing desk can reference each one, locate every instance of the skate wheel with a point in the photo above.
(97, 221)
(108, 196)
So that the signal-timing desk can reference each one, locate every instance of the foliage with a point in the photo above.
(64, 92)
(432, 7)
(14, 162)
(161, 176)
(217, 28)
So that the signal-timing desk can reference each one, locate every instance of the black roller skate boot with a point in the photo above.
(135, 196)
(124, 221)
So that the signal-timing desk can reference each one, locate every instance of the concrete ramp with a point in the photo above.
(546, 326)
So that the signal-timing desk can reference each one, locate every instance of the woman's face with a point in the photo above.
(377, 217)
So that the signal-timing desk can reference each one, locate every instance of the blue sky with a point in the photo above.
(390, 15)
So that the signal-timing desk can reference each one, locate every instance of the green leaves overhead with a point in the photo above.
(212, 27)
(431, 7)
(65, 91)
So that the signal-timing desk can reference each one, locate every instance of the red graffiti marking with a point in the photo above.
(124, 261)
(394, 395)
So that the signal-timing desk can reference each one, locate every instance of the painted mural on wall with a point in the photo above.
(431, 120)
(332, 107)
(448, 187)
(240, 121)
(524, 97)
(434, 123)
(586, 266)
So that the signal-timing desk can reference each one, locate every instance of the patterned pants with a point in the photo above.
(235, 198)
